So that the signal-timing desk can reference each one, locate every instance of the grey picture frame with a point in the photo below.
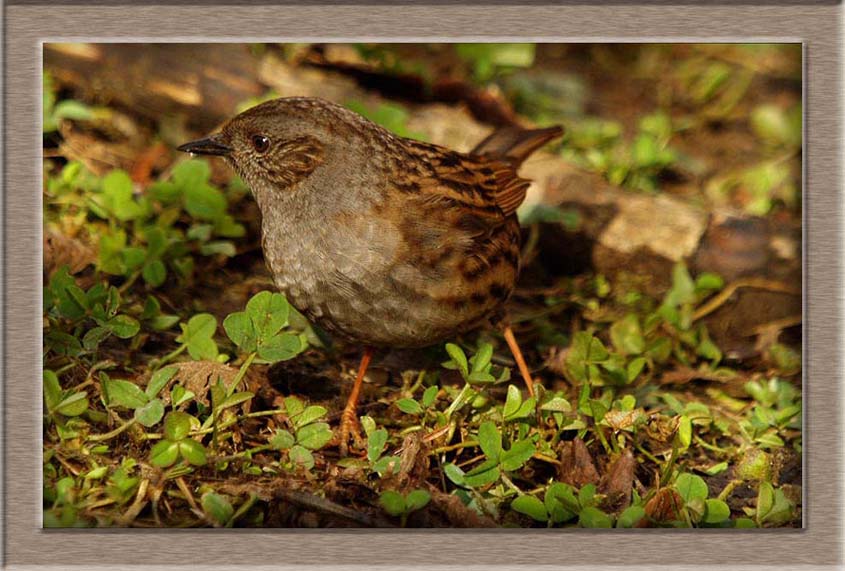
(29, 23)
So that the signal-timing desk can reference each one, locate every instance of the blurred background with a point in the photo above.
(717, 123)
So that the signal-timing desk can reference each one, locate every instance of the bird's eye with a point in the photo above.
(260, 143)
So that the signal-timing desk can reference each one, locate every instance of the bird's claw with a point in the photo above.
(349, 426)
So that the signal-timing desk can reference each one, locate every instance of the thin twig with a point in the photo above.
(757, 283)
(242, 509)
(109, 435)
(316, 503)
(138, 505)
(186, 492)
(778, 324)
(465, 444)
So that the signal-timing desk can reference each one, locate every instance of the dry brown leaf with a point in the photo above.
(287, 80)
(659, 432)
(97, 154)
(622, 420)
(683, 375)
(556, 361)
(618, 482)
(457, 513)
(576, 464)
(61, 250)
(413, 465)
(666, 505)
(154, 156)
(199, 376)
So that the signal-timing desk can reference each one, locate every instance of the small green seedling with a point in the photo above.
(379, 462)
(589, 361)
(561, 504)
(153, 316)
(121, 486)
(497, 460)
(515, 408)
(189, 187)
(148, 409)
(198, 337)
(56, 112)
(68, 504)
(67, 302)
(61, 402)
(475, 370)
(376, 461)
(258, 330)
(401, 506)
(777, 408)
(701, 511)
(177, 443)
(409, 405)
(309, 435)
(218, 509)
(773, 507)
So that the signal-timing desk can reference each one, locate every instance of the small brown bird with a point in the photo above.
(383, 240)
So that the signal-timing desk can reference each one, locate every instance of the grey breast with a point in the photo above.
(347, 275)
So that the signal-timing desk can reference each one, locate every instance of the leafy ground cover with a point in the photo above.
(180, 390)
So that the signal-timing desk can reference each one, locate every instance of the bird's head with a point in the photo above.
(279, 143)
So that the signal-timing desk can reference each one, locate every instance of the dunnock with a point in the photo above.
(383, 240)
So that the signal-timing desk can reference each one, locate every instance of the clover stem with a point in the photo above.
(646, 453)
(600, 433)
(458, 402)
(704, 444)
(67, 367)
(239, 377)
(170, 356)
(449, 448)
(223, 425)
(509, 483)
(128, 283)
(667, 469)
(113, 433)
(253, 497)
(83, 384)
(729, 488)
(418, 382)
(264, 413)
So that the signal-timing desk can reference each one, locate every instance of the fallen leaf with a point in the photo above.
(199, 376)
(457, 513)
(684, 375)
(61, 250)
(413, 466)
(618, 481)
(666, 506)
(576, 464)
(621, 420)
(659, 432)
(146, 162)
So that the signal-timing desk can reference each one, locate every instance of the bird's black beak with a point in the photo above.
(212, 145)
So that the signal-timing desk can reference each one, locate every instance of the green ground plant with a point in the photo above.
(152, 386)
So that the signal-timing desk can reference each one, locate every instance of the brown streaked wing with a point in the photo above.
(485, 190)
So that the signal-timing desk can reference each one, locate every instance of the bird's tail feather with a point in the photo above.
(515, 143)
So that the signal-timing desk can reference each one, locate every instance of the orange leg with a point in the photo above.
(349, 419)
(520, 360)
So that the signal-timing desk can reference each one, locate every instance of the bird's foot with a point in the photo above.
(349, 426)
